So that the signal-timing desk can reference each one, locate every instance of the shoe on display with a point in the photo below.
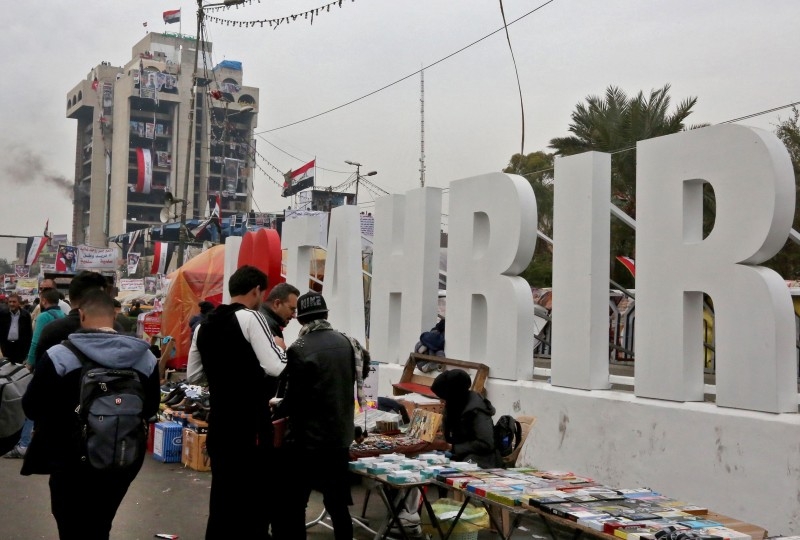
(16, 453)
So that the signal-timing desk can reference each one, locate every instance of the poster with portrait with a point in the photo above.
(66, 259)
(133, 262)
(22, 270)
(151, 284)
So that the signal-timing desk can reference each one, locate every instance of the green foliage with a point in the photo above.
(537, 169)
(6, 267)
(787, 261)
(614, 124)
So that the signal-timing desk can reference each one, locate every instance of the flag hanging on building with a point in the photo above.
(300, 179)
(628, 263)
(162, 253)
(213, 218)
(172, 16)
(144, 174)
(33, 247)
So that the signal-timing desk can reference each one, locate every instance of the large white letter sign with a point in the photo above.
(581, 244)
(489, 307)
(751, 175)
(299, 237)
(343, 286)
(405, 268)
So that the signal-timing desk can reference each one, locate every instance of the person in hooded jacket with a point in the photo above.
(83, 500)
(467, 420)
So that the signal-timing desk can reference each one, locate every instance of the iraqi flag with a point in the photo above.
(144, 170)
(628, 263)
(162, 253)
(300, 179)
(172, 16)
(33, 247)
(213, 218)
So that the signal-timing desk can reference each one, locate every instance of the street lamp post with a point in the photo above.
(358, 175)
(183, 235)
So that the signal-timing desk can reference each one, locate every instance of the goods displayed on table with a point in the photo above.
(632, 514)
(377, 443)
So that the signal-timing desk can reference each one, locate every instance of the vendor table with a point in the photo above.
(515, 514)
(385, 488)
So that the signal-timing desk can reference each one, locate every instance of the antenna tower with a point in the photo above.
(422, 127)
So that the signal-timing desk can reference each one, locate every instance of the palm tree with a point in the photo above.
(614, 123)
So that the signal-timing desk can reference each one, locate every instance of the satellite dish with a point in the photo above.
(169, 200)
(164, 215)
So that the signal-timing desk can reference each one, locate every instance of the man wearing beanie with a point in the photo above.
(320, 377)
(467, 422)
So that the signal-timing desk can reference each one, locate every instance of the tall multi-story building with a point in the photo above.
(133, 139)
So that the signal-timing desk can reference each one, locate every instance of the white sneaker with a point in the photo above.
(16, 453)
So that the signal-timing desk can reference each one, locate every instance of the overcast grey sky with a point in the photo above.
(737, 56)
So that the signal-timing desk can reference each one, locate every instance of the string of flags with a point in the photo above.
(273, 23)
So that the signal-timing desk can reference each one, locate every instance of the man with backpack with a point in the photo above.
(90, 398)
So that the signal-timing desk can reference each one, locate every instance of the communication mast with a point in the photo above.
(422, 128)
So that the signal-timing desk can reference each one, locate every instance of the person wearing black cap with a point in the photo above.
(320, 377)
(205, 308)
(467, 422)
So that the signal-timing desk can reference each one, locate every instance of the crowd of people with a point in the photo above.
(253, 378)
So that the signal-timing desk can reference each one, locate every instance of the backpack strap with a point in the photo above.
(84, 360)
(517, 433)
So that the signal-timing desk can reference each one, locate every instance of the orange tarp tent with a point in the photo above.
(200, 278)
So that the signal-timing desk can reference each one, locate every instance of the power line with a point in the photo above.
(462, 49)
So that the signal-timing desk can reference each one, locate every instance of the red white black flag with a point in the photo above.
(144, 172)
(162, 253)
(300, 179)
(172, 16)
(33, 247)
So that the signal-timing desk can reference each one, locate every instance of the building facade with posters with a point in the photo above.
(132, 139)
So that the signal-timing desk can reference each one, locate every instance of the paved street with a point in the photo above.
(164, 498)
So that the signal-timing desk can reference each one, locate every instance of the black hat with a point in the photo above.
(311, 303)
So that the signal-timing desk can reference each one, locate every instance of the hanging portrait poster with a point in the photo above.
(66, 259)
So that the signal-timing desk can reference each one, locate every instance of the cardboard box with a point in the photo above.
(194, 454)
(167, 442)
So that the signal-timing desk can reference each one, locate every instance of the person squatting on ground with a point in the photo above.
(467, 420)
(234, 351)
(279, 309)
(323, 366)
(83, 499)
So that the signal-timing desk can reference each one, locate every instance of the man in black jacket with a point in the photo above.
(319, 403)
(16, 330)
(57, 331)
(83, 499)
(235, 352)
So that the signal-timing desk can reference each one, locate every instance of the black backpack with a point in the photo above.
(111, 430)
(507, 434)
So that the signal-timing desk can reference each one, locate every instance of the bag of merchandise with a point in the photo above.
(472, 519)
